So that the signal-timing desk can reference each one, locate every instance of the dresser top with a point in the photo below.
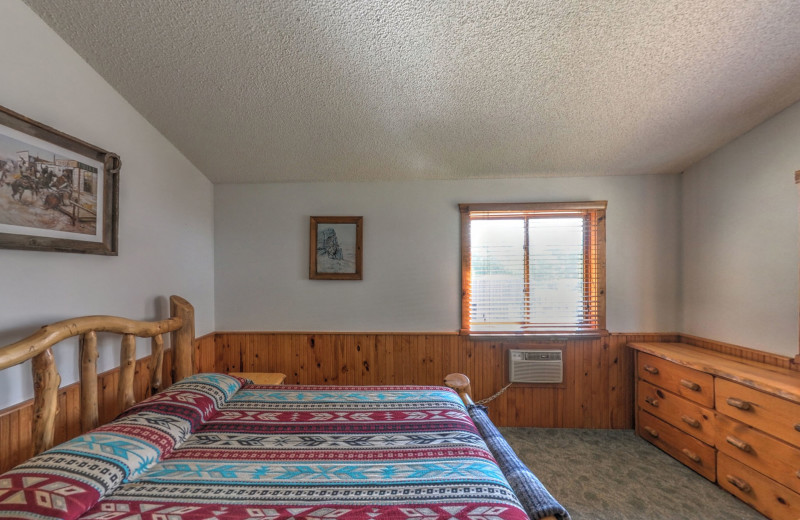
(767, 378)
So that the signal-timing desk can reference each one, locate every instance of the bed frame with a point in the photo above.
(46, 379)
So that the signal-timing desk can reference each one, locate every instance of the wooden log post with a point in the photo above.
(90, 415)
(46, 381)
(127, 369)
(460, 383)
(156, 363)
(183, 338)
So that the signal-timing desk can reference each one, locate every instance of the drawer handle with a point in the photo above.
(738, 403)
(733, 441)
(652, 401)
(692, 455)
(797, 427)
(691, 421)
(650, 368)
(739, 483)
(691, 385)
(651, 431)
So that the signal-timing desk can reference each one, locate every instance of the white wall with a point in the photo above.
(740, 239)
(166, 207)
(411, 251)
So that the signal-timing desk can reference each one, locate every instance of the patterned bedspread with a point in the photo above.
(210, 448)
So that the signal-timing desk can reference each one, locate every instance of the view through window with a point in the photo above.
(535, 268)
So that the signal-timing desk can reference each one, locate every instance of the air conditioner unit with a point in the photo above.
(535, 366)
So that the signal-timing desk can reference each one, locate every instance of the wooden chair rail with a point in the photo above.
(46, 378)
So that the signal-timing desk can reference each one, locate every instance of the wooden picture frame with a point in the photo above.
(335, 248)
(57, 192)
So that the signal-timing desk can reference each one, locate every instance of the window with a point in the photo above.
(534, 268)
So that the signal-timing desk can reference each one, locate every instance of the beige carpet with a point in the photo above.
(614, 475)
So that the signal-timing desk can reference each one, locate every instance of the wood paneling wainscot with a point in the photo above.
(598, 388)
(15, 422)
(597, 391)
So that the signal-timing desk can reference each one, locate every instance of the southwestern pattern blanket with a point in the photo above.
(214, 446)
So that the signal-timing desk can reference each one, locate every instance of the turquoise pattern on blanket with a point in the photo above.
(444, 473)
(133, 456)
(227, 384)
(383, 396)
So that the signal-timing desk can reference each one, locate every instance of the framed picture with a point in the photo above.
(335, 248)
(57, 193)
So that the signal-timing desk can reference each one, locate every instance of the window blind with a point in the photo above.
(533, 268)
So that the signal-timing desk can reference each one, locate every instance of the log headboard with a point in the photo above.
(46, 378)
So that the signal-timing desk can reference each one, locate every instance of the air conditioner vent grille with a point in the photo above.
(535, 366)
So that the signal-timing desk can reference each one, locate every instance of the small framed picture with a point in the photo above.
(57, 193)
(335, 248)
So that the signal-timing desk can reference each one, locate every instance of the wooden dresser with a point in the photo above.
(733, 421)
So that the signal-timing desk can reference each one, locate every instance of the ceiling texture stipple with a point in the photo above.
(347, 90)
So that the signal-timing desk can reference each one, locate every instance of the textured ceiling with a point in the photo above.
(282, 90)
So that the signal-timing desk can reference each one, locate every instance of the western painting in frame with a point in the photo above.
(57, 193)
(335, 248)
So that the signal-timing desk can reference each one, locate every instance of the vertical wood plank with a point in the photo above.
(249, 354)
(601, 404)
(5, 433)
(156, 363)
(220, 349)
(13, 438)
(60, 433)
(25, 439)
(89, 407)
(613, 383)
(424, 350)
(307, 360)
(349, 359)
(405, 359)
(108, 390)
(438, 369)
(382, 359)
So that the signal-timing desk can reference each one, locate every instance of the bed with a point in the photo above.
(216, 446)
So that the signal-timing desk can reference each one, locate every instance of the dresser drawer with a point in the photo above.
(689, 383)
(688, 450)
(772, 499)
(773, 415)
(766, 454)
(685, 415)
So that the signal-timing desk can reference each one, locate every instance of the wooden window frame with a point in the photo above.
(594, 269)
